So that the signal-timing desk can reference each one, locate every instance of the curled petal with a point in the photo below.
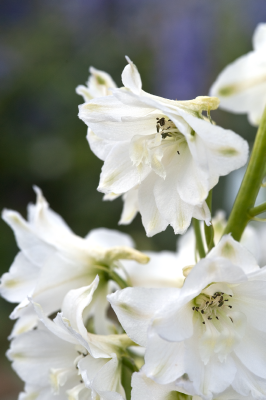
(131, 77)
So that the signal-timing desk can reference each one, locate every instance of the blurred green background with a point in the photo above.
(46, 48)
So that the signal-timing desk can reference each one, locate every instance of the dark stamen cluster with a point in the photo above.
(162, 127)
(209, 306)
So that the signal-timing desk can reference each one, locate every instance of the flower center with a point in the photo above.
(150, 149)
(167, 129)
(209, 307)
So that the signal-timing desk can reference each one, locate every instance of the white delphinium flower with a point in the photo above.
(209, 334)
(241, 86)
(165, 149)
(65, 360)
(53, 260)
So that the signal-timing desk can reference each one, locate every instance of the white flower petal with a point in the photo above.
(100, 307)
(241, 85)
(211, 270)
(120, 177)
(171, 207)
(27, 321)
(59, 377)
(192, 181)
(236, 253)
(225, 151)
(107, 382)
(74, 304)
(56, 327)
(202, 213)
(259, 37)
(152, 220)
(131, 78)
(215, 377)
(164, 361)
(39, 393)
(89, 367)
(145, 388)
(98, 85)
(163, 270)
(175, 325)
(35, 249)
(135, 308)
(230, 333)
(78, 392)
(104, 116)
(21, 309)
(218, 376)
(66, 274)
(107, 238)
(34, 353)
(100, 147)
(252, 351)
(130, 207)
(249, 298)
(20, 280)
(248, 384)
(41, 214)
(84, 92)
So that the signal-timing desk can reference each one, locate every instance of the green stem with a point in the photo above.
(129, 363)
(208, 230)
(250, 185)
(114, 276)
(257, 210)
(120, 281)
(199, 242)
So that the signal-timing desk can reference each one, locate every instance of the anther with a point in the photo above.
(209, 318)
(220, 304)
(216, 317)
(231, 319)
(202, 312)
(203, 323)
(193, 308)
(230, 306)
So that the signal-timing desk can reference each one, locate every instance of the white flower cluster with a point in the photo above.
(91, 318)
